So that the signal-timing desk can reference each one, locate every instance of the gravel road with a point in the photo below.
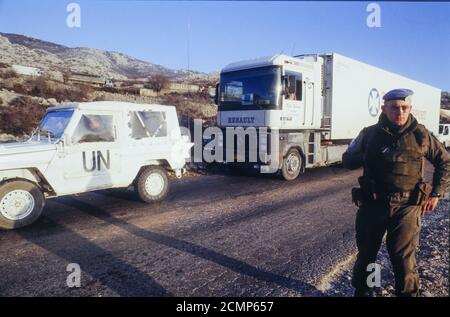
(215, 235)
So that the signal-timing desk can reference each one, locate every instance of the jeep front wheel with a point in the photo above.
(152, 184)
(21, 204)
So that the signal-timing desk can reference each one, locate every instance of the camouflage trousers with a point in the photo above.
(401, 223)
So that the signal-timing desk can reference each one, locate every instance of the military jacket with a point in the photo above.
(393, 157)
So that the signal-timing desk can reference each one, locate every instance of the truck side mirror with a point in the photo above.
(216, 96)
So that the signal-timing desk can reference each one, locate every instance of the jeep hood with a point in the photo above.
(26, 154)
(25, 147)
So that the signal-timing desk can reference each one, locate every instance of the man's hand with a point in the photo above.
(430, 205)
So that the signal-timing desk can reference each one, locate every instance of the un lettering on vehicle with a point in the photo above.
(97, 161)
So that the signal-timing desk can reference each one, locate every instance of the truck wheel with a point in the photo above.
(292, 165)
(21, 204)
(152, 184)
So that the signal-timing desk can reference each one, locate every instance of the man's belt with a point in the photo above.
(418, 196)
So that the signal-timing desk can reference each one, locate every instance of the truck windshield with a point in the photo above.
(54, 124)
(250, 88)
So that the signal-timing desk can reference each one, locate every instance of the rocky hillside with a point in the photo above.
(24, 50)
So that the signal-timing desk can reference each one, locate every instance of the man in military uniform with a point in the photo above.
(392, 196)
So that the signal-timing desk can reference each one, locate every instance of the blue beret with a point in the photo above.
(397, 94)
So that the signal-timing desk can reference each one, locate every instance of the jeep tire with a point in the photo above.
(292, 165)
(21, 204)
(152, 184)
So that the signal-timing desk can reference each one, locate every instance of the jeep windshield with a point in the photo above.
(53, 125)
(257, 88)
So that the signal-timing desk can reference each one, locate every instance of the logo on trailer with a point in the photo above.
(374, 103)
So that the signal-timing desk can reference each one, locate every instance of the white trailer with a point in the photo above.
(318, 103)
(357, 90)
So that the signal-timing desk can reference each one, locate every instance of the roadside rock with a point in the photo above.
(52, 102)
(4, 138)
(7, 96)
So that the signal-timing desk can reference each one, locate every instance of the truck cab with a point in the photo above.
(277, 92)
(285, 95)
(85, 147)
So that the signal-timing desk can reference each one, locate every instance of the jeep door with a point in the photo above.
(92, 155)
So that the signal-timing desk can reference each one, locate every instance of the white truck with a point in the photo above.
(317, 104)
(89, 146)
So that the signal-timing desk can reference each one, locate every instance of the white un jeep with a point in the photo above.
(90, 146)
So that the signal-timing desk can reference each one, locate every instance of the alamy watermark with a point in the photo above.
(74, 278)
(374, 278)
(374, 18)
(73, 19)
(236, 145)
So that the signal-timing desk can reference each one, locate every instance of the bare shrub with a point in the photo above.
(175, 99)
(112, 90)
(45, 88)
(66, 76)
(8, 73)
(20, 88)
(85, 92)
(157, 82)
(77, 93)
(42, 88)
(21, 116)
(100, 98)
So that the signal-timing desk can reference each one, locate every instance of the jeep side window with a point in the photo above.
(155, 122)
(138, 130)
(94, 128)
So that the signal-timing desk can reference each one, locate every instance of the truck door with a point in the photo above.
(308, 111)
(92, 160)
(293, 104)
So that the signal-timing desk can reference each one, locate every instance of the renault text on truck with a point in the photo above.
(90, 146)
(316, 103)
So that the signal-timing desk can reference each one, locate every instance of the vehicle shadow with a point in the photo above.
(233, 264)
(245, 170)
(112, 272)
(120, 193)
(220, 187)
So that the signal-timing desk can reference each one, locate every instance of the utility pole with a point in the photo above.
(188, 47)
